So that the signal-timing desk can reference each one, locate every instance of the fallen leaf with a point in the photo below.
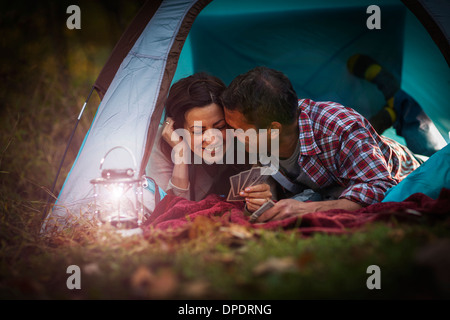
(141, 281)
(91, 269)
(305, 259)
(276, 265)
(196, 289)
(237, 231)
(397, 235)
(227, 258)
(201, 226)
(164, 284)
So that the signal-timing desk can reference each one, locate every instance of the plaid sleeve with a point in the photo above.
(362, 166)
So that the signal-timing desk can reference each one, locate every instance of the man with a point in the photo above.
(323, 146)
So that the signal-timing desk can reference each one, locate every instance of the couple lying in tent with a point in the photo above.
(333, 156)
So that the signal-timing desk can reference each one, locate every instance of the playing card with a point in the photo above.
(232, 197)
(245, 179)
(261, 179)
(254, 174)
(234, 184)
(266, 172)
(242, 177)
(266, 206)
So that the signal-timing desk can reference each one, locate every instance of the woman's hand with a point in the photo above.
(256, 196)
(180, 173)
(168, 131)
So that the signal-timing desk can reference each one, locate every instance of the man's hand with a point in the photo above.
(287, 208)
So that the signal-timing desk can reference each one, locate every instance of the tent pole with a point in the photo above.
(64, 155)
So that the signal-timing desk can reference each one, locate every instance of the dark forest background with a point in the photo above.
(46, 73)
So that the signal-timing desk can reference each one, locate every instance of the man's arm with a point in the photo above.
(360, 165)
(289, 208)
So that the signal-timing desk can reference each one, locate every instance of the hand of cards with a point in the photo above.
(254, 176)
(238, 182)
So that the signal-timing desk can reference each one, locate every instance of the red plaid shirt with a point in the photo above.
(339, 146)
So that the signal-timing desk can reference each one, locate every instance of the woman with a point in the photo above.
(193, 104)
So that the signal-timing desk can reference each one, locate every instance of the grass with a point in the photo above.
(42, 96)
(222, 263)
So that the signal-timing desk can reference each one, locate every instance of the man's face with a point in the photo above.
(236, 120)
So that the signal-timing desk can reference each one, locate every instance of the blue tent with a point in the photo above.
(310, 41)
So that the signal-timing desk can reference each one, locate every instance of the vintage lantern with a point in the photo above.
(119, 197)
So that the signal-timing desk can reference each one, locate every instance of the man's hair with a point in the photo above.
(262, 95)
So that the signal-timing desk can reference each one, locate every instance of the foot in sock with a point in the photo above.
(365, 67)
(383, 120)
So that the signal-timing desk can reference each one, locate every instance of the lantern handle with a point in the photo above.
(119, 147)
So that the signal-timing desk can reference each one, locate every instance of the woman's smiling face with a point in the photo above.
(200, 119)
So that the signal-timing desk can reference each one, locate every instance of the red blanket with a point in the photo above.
(173, 212)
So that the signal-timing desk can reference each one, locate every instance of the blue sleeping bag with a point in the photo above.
(428, 179)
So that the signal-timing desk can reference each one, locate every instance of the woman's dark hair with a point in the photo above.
(262, 95)
(197, 90)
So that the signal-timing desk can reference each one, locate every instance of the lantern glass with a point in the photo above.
(118, 198)
(117, 203)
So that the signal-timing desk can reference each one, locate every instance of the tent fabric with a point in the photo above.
(313, 55)
(308, 40)
(435, 16)
(124, 46)
(127, 112)
(169, 71)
